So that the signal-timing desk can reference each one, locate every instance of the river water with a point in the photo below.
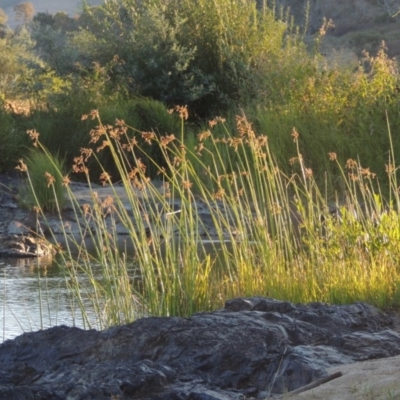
(33, 296)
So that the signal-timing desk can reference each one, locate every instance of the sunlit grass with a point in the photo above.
(44, 176)
(275, 235)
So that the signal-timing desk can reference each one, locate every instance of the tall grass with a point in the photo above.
(274, 234)
(44, 188)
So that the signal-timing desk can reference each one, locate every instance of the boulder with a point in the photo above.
(252, 348)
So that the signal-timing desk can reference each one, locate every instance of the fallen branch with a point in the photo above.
(314, 384)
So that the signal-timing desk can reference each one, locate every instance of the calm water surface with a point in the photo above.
(33, 296)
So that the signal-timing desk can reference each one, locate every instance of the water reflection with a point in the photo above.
(33, 296)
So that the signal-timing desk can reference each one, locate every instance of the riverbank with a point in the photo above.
(253, 348)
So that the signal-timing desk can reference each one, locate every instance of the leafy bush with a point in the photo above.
(12, 140)
(182, 52)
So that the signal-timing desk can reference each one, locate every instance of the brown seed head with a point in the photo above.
(86, 208)
(215, 121)
(148, 137)
(166, 140)
(293, 160)
(353, 177)
(199, 149)
(295, 135)
(66, 181)
(103, 145)
(219, 195)
(105, 178)
(34, 136)
(367, 173)
(86, 153)
(332, 156)
(389, 168)
(37, 209)
(22, 166)
(182, 111)
(351, 164)
(187, 184)
(94, 114)
(262, 140)
(203, 135)
(50, 179)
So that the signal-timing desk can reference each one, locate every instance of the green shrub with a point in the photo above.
(335, 109)
(201, 54)
(63, 132)
(12, 140)
(44, 187)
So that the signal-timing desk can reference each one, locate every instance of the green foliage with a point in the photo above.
(44, 176)
(12, 48)
(147, 116)
(12, 140)
(197, 53)
(63, 131)
(213, 55)
(162, 66)
(335, 109)
(231, 39)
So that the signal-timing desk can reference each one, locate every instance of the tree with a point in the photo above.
(391, 7)
(24, 12)
(3, 24)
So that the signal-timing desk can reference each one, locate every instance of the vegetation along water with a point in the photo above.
(232, 106)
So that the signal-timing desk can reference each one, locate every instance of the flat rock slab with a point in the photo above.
(367, 380)
(252, 348)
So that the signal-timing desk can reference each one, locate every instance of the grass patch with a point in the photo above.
(44, 187)
(274, 233)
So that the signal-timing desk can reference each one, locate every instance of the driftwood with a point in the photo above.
(315, 384)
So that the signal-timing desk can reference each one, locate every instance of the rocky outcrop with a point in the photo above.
(252, 348)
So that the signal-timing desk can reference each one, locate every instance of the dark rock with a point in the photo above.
(249, 349)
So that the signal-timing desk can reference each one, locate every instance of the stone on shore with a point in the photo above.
(252, 348)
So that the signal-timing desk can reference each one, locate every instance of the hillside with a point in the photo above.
(359, 24)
